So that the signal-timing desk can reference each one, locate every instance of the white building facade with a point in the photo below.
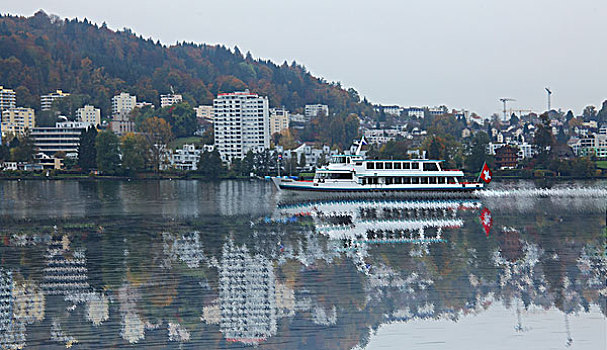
(314, 110)
(123, 103)
(204, 113)
(89, 114)
(241, 124)
(63, 137)
(8, 99)
(169, 100)
(46, 101)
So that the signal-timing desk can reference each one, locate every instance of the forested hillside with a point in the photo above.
(43, 53)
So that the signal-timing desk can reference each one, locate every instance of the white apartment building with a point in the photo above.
(188, 156)
(123, 103)
(241, 124)
(313, 110)
(63, 137)
(8, 98)
(393, 110)
(279, 120)
(17, 120)
(169, 100)
(416, 112)
(144, 104)
(89, 114)
(204, 113)
(46, 101)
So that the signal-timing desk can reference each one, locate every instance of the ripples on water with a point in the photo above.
(185, 264)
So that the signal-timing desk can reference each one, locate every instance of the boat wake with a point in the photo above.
(571, 192)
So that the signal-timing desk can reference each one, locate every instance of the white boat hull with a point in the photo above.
(350, 186)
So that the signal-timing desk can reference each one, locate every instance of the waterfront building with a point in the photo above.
(204, 114)
(18, 120)
(89, 114)
(247, 299)
(241, 124)
(506, 157)
(279, 120)
(63, 137)
(46, 101)
(169, 100)
(314, 110)
(8, 98)
(121, 124)
(123, 103)
(525, 150)
(187, 157)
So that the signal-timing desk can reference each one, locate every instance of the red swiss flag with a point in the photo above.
(486, 220)
(486, 174)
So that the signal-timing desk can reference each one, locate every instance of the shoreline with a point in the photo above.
(171, 177)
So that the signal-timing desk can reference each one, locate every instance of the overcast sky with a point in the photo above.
(461, 53)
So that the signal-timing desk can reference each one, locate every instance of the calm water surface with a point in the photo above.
(236, 264)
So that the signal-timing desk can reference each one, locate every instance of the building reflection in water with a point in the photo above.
(310, 271)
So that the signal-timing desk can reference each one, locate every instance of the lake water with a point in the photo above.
(188, 264)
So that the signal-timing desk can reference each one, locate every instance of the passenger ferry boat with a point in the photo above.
(355, 173)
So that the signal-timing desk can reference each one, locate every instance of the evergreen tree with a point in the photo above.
(302, 161)
(24, 149)
(210, 165)
(108, 152)
(478, 152)
(87, 152)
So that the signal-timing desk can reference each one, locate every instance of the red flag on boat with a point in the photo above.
(486, 173)
(486, 220)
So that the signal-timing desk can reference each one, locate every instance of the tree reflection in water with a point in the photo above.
(318, 274)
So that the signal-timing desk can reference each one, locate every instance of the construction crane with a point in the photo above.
(549, 94)
(504, 101)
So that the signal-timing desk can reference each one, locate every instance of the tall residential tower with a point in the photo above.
(241, 124)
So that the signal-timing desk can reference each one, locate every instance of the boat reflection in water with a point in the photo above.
(324, 273)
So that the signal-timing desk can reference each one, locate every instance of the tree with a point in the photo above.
(157, 133)
(133, 153)
(478, 151)
(108, 152)
(24, 149)
(210, 165)
(87, 152)
(302, 160)
(589, 113)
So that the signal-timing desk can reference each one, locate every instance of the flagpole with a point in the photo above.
(480, 172)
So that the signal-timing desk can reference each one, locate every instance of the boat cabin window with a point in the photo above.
(415, 180)
(406, 165)
(336, 176)
(388, 166)
(370, 165)
(414, 165)
(451, 180)
(406, 180)
(338, 160)
(379, 165)
(397, 166)
(430, 166)
(433, 180)
(424, 180)
(441, 180)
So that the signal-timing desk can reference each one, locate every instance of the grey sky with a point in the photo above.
(464, 54)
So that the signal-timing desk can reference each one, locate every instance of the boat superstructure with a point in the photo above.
(355, 173)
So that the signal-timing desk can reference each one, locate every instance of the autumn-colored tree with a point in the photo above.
(157, 134)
